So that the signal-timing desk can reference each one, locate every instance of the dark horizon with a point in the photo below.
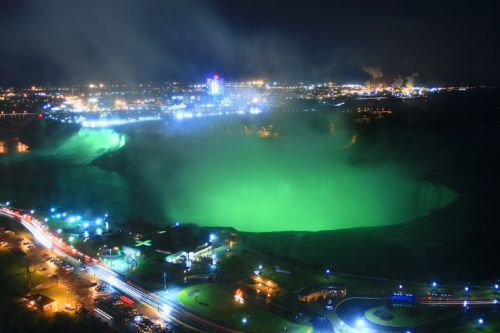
(57, 42)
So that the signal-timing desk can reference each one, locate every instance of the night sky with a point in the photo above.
(445, 42)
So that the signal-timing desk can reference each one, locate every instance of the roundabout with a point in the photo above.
(383, 315)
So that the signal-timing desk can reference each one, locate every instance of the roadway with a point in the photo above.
(165, 308)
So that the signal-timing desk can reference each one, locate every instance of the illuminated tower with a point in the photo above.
(215, 86)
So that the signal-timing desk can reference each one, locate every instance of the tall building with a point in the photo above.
(215, 86)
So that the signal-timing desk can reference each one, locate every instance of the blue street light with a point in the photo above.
(496, 286)
(434, 284)
(360, 322)
(52, 210)
(480, 321)
(400, 286)
(260, 267)
(466, 289)
(244, 320)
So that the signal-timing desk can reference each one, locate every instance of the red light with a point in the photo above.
(127, 300)
(40, 115)
(216, 77)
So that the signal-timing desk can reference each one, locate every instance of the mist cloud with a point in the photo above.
(63, 41)
(133, 41)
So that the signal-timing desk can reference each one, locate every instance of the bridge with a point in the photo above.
(19, 118)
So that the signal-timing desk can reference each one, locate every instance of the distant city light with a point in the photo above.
(52, 210)
(434, 284)
(480, 321)
(244, 320)
(496, 286)
(99, 231)
(71, 238)
(86, 234)
(465, 304)
(212, 237)
(466, 288)
(327, 271)
(98, 221)
(360, 322)
(85, 225)
(400, 286)
(261, 267)
(59, 231)
(32, 212)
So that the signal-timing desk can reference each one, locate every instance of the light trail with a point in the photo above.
(165, 308)
(460, 302)
(103, 314)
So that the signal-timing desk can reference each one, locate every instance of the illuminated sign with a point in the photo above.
(143, 243)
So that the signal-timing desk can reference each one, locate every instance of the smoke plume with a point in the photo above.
(410, 80)
(374, 72)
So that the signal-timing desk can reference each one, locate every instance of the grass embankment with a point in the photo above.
(213, 302)
(406, 317)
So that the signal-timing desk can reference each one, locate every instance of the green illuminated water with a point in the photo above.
(80, 148)
(305, 183)
(87, 145)
(294, 182)
(59, 173)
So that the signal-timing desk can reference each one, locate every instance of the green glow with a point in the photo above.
(295, 184)
(87, 145)
(81, 148)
